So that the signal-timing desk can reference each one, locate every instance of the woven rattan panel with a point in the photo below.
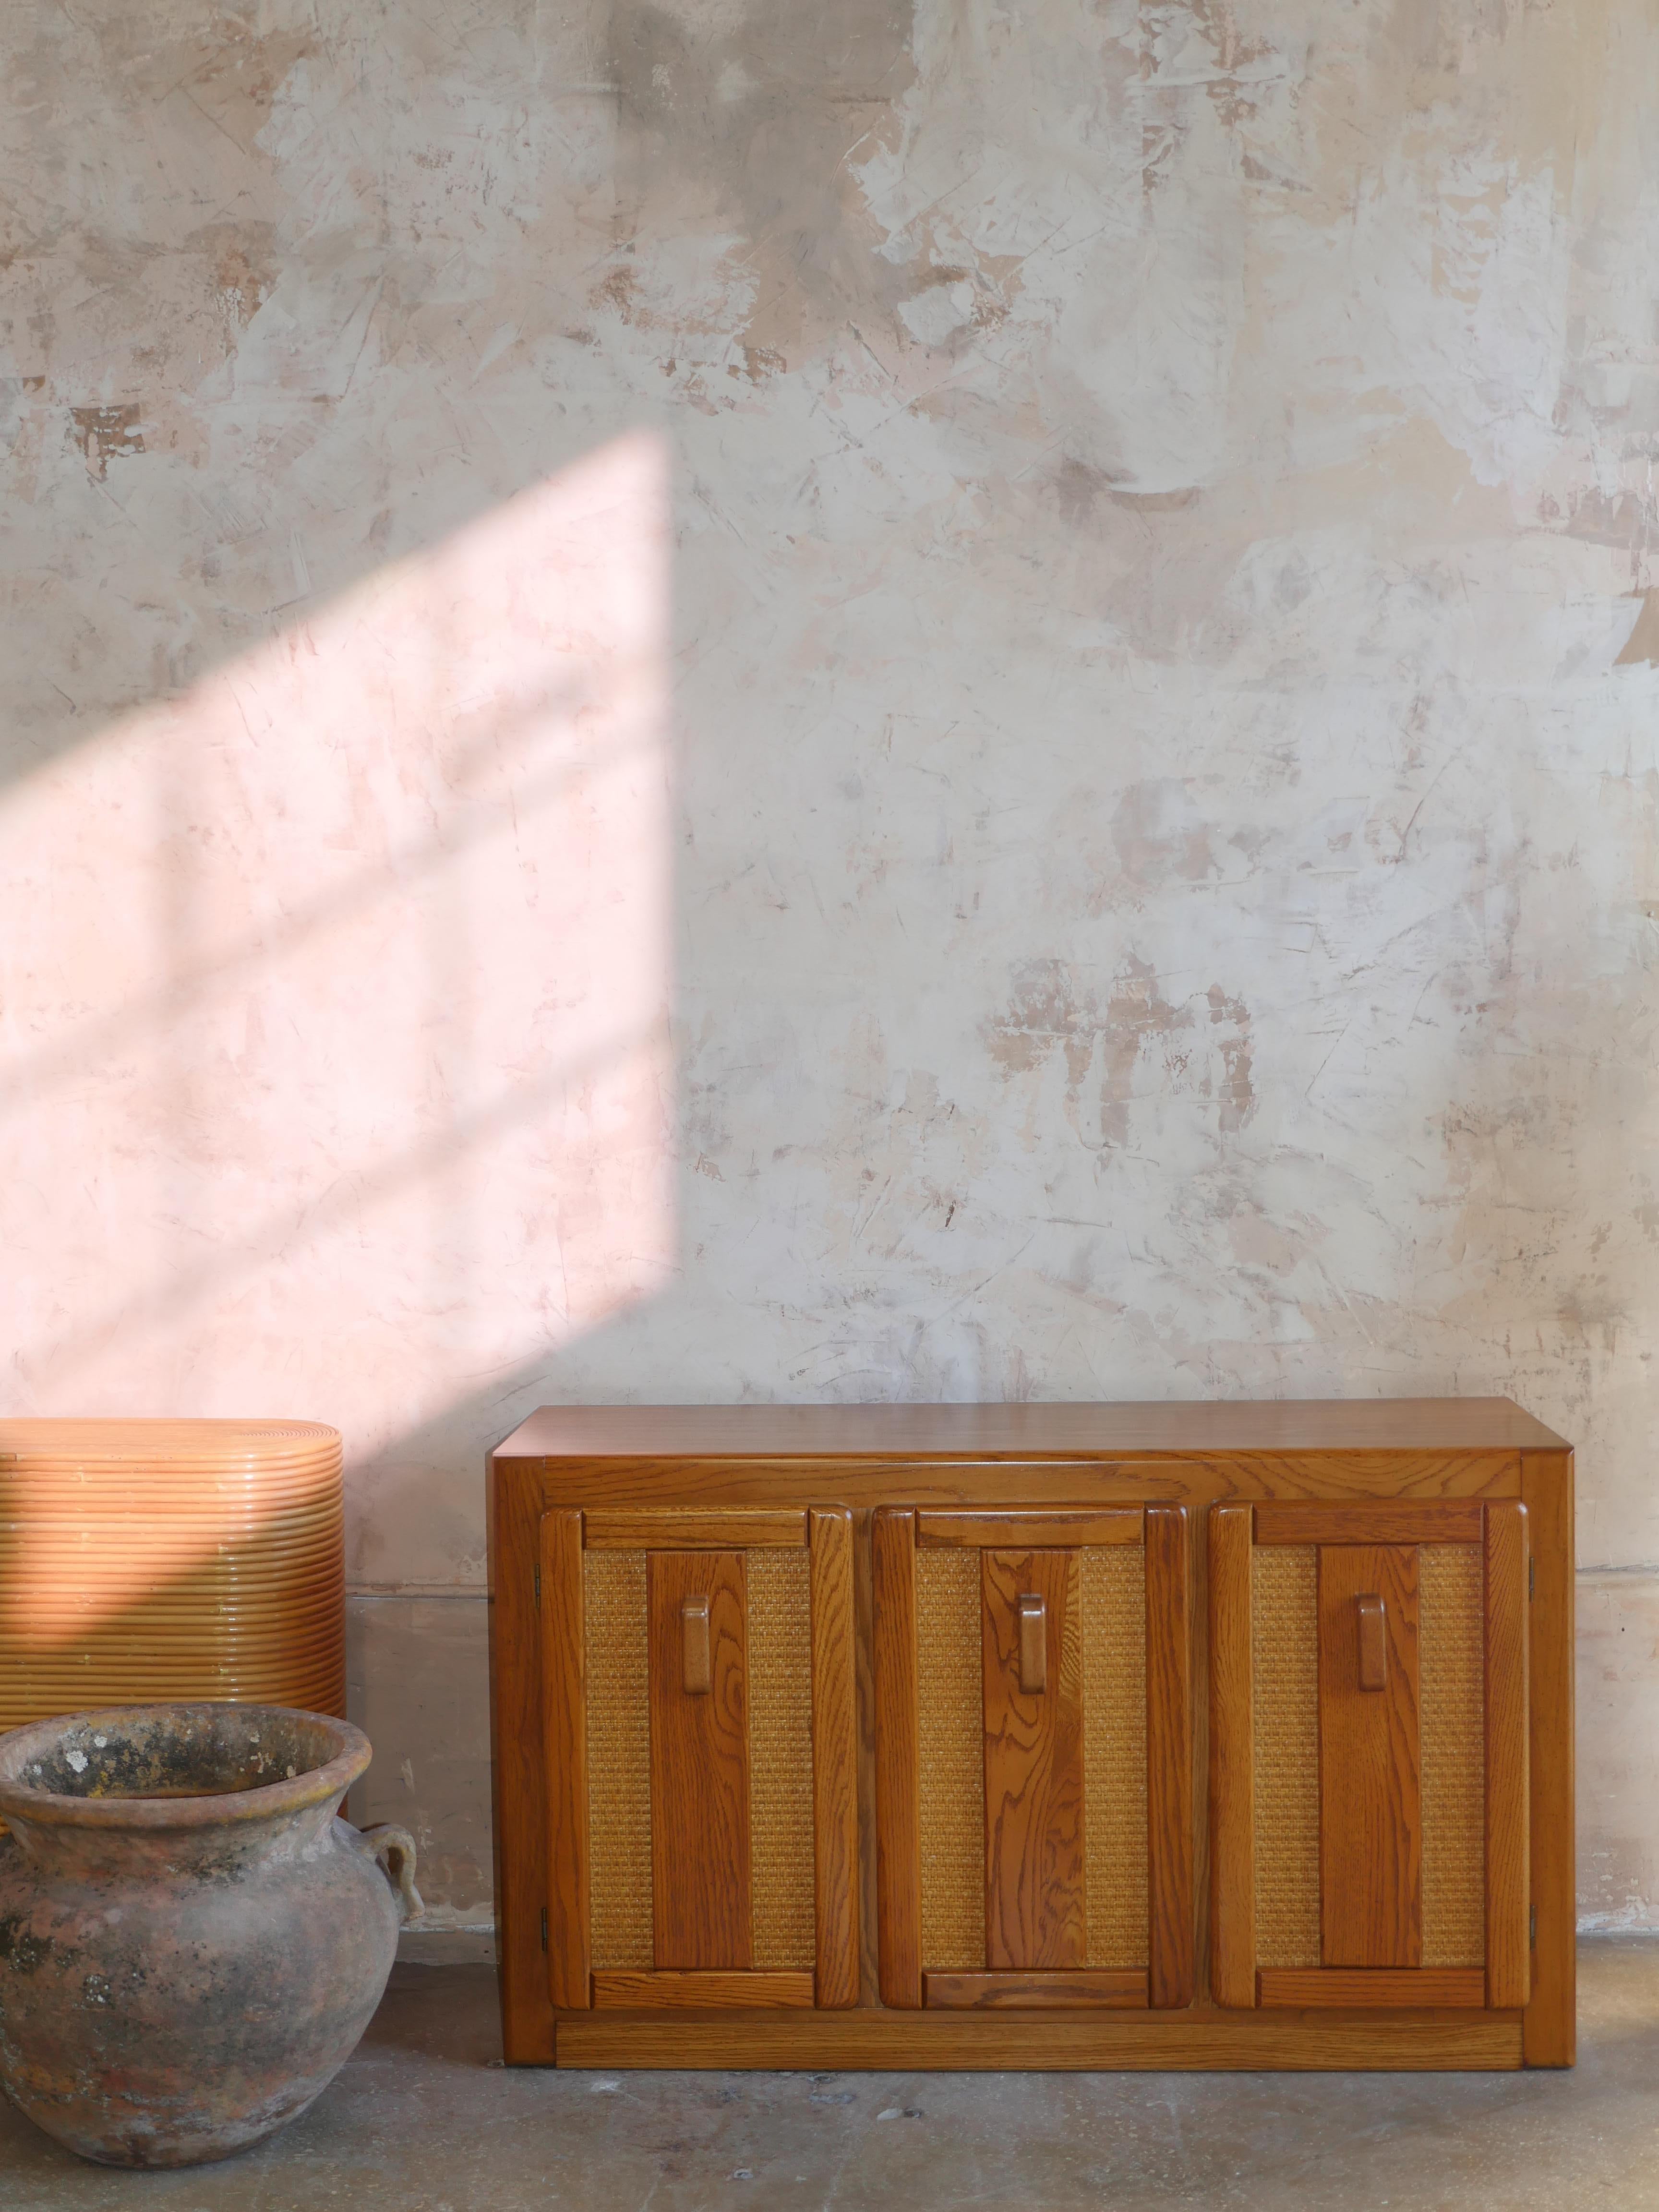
(1451, 1699)
(618, 1759)
(1284, 1696)
(950, 1716)
(780, 1756)
(1114, 1587)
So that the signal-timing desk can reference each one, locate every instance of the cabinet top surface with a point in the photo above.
(1306, 1424)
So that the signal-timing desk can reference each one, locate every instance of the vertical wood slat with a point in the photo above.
(564, 1758)
(700, 1888)
(519, 1770)
(1232, 1761)
(1371, 1817)
(1509, 1963)
(835, 1756)
(1035, 1914)
(899, 1840)
(1549, 2026)
(1171, 1936)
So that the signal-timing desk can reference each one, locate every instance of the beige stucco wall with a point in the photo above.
(708, 700)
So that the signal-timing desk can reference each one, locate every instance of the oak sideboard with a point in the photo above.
(1035, 1737)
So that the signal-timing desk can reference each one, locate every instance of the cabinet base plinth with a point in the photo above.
(1208, 2041)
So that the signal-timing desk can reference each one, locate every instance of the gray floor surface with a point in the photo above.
(424, 2118)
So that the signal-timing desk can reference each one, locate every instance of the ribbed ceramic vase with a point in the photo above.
(149, 1560)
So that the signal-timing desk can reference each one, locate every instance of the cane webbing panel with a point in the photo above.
(781, 1757)
(1113, 1584)
(1452, 1701)
(1284, 1696)
(950, 1735)
(618, 1759)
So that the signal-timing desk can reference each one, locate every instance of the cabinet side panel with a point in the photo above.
(1285, 1705)
(1114, 1581)
(950, 1749)
(619, 1759)
(517, 1776)
(781, 1757)
(1550, 2024)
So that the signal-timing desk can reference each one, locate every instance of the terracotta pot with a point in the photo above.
(191, 1942)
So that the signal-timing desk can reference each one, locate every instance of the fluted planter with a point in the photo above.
(143, 1560)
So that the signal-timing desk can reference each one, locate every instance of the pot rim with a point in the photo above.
(267, 1800)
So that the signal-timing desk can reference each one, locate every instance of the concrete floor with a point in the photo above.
(424, 2118)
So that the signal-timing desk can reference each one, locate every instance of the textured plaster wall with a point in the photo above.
(1137, 522)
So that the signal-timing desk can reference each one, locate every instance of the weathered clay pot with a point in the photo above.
(191, 1943)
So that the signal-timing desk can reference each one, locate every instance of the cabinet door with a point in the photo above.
(1033, 1757)
(1369, 1754)
(701, 1748)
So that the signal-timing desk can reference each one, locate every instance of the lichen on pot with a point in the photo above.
(192, 1941)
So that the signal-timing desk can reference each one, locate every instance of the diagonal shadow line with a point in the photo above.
(351, 1191)
(23, 1080)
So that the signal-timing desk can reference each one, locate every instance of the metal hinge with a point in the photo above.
(1532, 1928)
(544, 1928)
(1532, 1578)
(538, 1582)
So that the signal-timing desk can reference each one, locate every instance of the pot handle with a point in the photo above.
(393, 1850)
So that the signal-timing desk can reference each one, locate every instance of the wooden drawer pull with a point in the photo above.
(1033, 1644)
(694, 1626)
(1373, 1642)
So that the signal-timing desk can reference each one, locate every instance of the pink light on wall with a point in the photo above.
(334, 1065)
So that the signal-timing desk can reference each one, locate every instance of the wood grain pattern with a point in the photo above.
(624, 1991)
(1509, 1956)
(517, 1770)
(1232, 1761)
(1034, 1913)
(700, 1891)
(946, 2041)
(564, 1758)
(1370, 1826)
(1442, 1520)
(1013, 1531)
(1362, 1987)
(692, 1529)
(1551, 2015)
(1124, 1987)
(898, 1839)
(1028, 1430)
(835, 1757)
(1172, 1941)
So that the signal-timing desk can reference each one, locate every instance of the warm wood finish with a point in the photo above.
(1020, 1531)
(622, 1991)
(700, 1875)
(564, 1757)
(1389, 1521)
(1370, 1823)
(1360, 1989)
(835, 1756)
(1034, 1897)
(697, 1671)
(1029, 1432)
(1121, 1986)
(898, 1831)
(1232, 1761)
(1551, 2026)
(1027, 1462)
(1371, 1623)
(1172, 1964)
(948, 2041)
(671, 1529)
(1509, 1957)
(1033, 1617)
(519, 1770)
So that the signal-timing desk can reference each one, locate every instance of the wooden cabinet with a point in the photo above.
(958, 1737)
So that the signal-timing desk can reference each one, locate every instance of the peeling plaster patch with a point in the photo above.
(1642, 643)
(106, 433)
